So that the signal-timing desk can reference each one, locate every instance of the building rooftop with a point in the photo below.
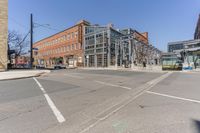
(79, 22)
(186, 42)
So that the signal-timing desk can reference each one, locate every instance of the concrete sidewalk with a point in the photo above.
(135, 68)
(196, 70)
(154, 69)
(19, 74)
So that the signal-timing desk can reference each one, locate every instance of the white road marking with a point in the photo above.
(174, 97)
(113, 85)
(43, 90)
(56, 112)
(145, 88)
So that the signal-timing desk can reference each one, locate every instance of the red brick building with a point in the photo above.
(143, 37)
(64, 47)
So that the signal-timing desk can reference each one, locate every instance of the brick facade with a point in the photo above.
(3, 33)
(143, 37)
(62, 48)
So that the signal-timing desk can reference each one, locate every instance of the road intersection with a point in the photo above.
(101, 101)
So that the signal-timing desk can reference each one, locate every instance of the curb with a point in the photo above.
(25, 77)
(129, 70)
(196, 72)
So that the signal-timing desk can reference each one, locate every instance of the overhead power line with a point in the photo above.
(17, 22)
(46, 26)
(24, 38)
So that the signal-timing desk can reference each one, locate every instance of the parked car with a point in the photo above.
(59, 66)
(40, 67)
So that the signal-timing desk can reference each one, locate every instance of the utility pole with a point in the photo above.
(31, 41)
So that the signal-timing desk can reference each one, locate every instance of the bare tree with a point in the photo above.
(141, 52)
(17, 42)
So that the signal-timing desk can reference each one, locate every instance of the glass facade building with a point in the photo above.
(189, 51)
(176, 47)
(100, 46)
(173, 47)
(108, 47)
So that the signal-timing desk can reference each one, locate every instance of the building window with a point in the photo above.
(68, 36)
(69, 47)
(76, 34)
(64, 38)
(72, 46)
(72, 34)
(66, 49)
(77, 46)
(59, 40)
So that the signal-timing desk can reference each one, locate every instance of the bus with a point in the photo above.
(171, 61)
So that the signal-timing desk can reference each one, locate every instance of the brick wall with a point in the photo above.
(3, 33)
(63, 44)
(143, 37)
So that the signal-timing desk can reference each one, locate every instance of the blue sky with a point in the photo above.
(165, 20)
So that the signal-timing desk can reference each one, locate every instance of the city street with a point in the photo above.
(101, 101)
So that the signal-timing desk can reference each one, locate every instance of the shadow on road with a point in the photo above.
(197, 125)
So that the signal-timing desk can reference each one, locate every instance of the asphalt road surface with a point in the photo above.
(101, 101)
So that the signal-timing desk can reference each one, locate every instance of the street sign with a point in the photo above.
(11, 52)
(35, 48)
